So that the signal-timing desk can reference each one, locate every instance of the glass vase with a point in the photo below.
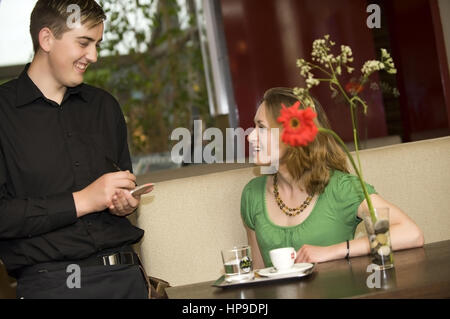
(379, 238)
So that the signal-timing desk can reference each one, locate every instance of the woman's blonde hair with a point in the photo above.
(313, 163)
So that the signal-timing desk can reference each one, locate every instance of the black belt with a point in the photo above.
(108, 259)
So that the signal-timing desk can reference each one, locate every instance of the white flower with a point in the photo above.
(320, 51)
(304, 70)
(303, 95)
(304, 67)
(327, 58)
(346, 53)
(371, 66)
(310, 82)
(391, 71)
(388, 62)
(301, 62)
(300, 91)
(345, 49)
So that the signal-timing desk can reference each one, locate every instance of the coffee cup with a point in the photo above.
(283, 258)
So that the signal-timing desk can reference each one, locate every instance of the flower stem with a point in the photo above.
(315, 66)
(358, 171)
(355, 133)
(325, 80)
(354, 124)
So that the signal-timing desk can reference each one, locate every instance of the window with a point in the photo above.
(152, 59)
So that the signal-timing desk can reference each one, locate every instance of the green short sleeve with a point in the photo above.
(247, 211)
(348, 194)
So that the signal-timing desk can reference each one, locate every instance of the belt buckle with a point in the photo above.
(126, 258)
(111, 260)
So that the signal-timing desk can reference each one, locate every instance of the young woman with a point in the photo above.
(312, 203)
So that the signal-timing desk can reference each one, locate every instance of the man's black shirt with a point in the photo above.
(47, 152)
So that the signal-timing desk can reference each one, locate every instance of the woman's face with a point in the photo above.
(266, 147)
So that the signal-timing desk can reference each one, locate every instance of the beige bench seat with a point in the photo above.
(187, 221)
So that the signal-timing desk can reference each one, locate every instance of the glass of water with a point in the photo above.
(237, 263)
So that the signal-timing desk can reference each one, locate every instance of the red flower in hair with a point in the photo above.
(299, 128)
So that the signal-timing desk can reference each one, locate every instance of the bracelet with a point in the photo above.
(348, 250)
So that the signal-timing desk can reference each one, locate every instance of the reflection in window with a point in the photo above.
(15, 41)
(152, 62)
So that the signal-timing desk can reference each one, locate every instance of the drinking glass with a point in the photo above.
(237, 263)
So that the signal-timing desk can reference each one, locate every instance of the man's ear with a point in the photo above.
(46, 39)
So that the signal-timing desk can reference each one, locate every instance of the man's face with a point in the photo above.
(70, 55)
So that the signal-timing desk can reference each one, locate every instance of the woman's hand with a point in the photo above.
(317, 254)
(123, 203)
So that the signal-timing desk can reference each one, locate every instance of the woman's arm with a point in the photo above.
(258, 262)
(404, 234)
(403, 230)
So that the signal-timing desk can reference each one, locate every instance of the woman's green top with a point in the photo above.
(333, 219)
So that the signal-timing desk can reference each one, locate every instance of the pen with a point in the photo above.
(116, 166)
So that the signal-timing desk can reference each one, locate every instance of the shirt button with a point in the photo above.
(69, 134)
(77, 163)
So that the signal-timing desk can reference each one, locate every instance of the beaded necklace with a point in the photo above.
(288, 211)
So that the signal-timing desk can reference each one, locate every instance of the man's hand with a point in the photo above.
(99, 194)
(123, 203)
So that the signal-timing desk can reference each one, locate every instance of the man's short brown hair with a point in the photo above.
(54, 15)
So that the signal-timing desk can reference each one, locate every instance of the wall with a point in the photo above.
(444, 10)
(421, 61)
(266, 37)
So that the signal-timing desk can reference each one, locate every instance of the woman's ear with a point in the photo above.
(46, 39)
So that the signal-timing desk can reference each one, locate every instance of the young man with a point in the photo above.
(63, 230)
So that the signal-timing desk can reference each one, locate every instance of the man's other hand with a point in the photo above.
(99, 194)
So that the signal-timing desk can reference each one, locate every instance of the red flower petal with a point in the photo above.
(353, 88)
(303, 133)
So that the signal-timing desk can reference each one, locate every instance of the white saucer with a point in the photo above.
(272, 272)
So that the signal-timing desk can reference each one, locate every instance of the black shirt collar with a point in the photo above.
(28, 92)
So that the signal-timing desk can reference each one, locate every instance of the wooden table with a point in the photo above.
(418, 273)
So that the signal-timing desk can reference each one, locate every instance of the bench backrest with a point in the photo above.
(188, 221)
